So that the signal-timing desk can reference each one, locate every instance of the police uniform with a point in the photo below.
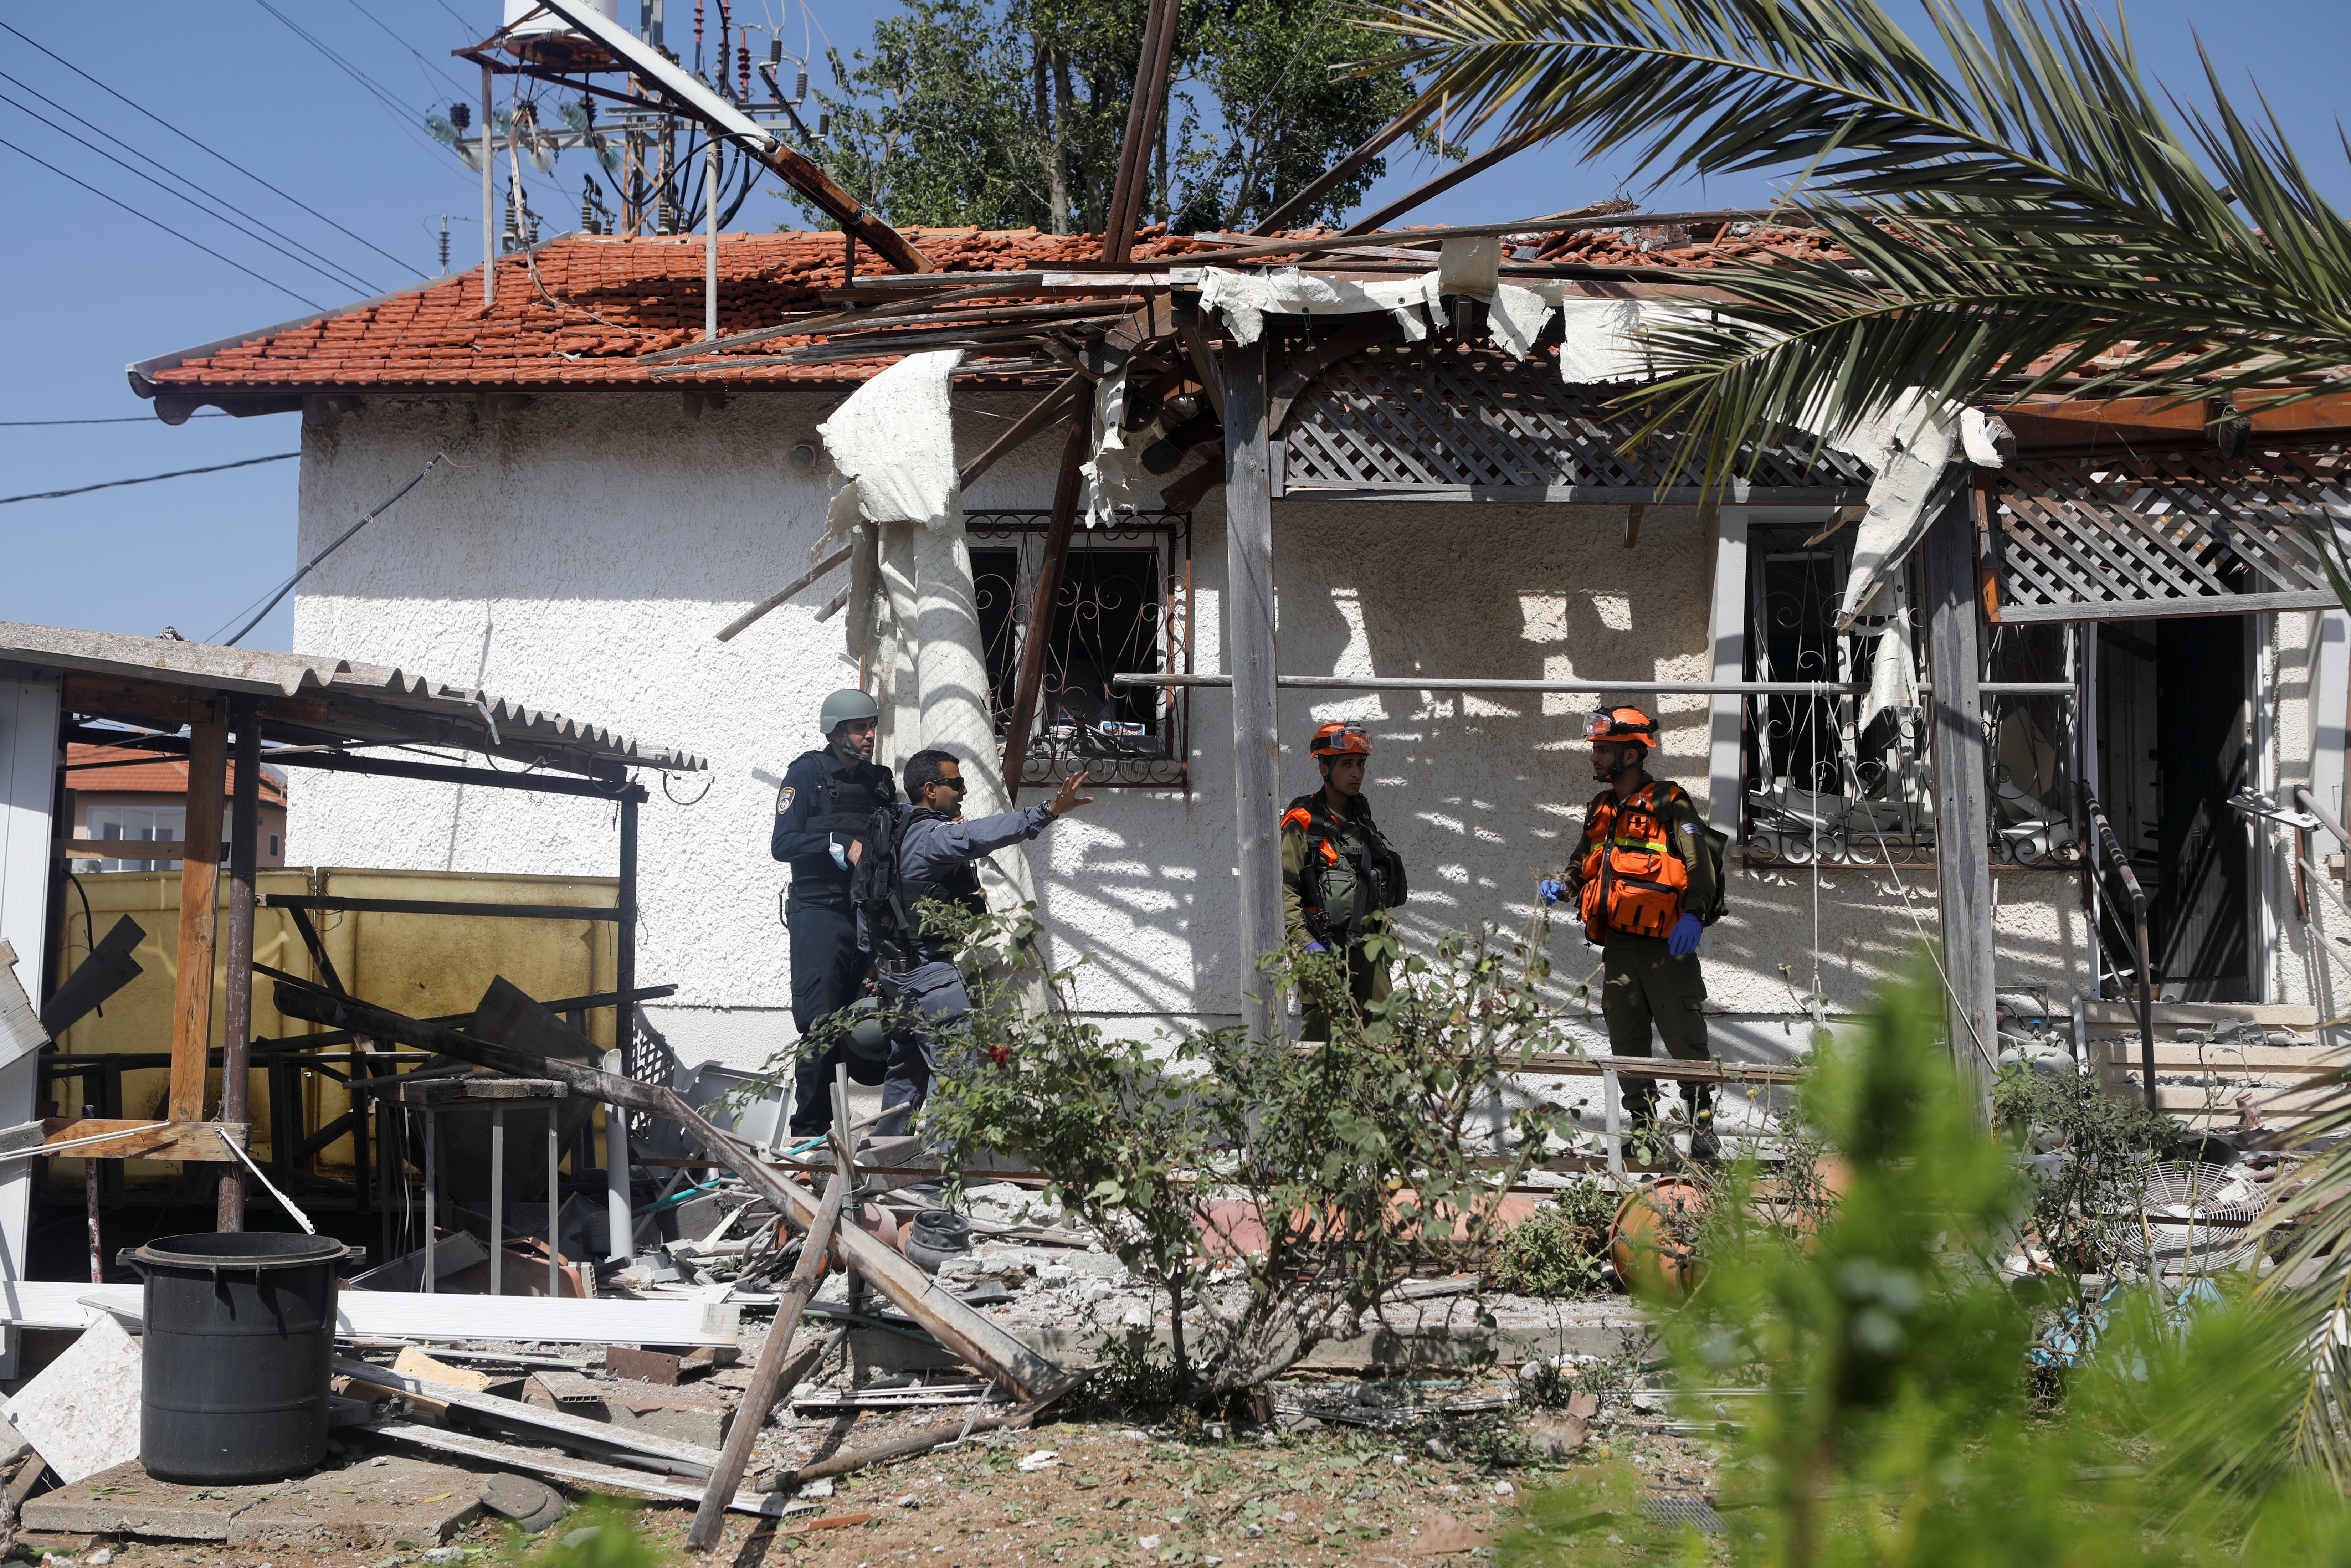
(1641, 867)
(824, 805)
(936, 860)
(1338, 874)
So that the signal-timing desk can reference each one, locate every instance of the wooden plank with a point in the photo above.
(727, 632)
(681, 1458)
(112, 849)
(139, 1140)
(192, 1013)
(438, 906)
(2168, 609)
(583, 1472)
(2288, 1015)
(1963, 881)
(1249, 646)
(1038, 645)
(2226, 1057)
(1026, 426)
(1737, 492)
(413, 1315)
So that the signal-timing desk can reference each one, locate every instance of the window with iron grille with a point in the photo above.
(1825, 787)
(1124, 608)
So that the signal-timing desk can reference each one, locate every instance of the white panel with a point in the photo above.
(1727, 636)
(2330, 689)
(29, 763)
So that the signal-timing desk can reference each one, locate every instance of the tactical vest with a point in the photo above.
(845, 798)
(1343, 889)
(1632, 881)
(891, 900)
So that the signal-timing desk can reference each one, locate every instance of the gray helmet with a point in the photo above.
(843, 707)
(868, 1037)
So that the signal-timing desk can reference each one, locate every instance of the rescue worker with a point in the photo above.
(1645, 883)
(934, 854)
(826, 798)
(1338, 873)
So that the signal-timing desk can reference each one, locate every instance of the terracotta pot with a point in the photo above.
(1650, 1257)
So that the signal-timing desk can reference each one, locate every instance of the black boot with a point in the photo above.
(1705, 1147)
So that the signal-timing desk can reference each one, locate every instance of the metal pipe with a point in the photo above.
(498, 1197)
(2103, 830)
(554, 1203)
(236, 1034)
(2325, 817)
(710, 246)
(91, 1206)
(618, 1218)
(489, 203)
(1693, 688)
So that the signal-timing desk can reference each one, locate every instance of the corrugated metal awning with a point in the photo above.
(323, 700)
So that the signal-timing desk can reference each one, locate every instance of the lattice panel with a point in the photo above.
(2155, 527)
(1447, 416)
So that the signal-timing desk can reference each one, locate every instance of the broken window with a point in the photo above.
(1845, 778)
(1124, 608)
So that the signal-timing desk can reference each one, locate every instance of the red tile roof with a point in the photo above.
(583, 307)
(147, 775)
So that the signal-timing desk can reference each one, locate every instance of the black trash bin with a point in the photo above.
(239, 1346)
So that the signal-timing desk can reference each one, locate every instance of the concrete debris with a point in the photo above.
(80, 1412)
(399, 1499)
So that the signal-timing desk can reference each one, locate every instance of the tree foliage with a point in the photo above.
(1008, 113)
(1891, 1421)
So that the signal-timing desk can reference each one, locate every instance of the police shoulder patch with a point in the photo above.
(784, 798)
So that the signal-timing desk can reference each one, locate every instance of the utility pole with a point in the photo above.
(489, 234)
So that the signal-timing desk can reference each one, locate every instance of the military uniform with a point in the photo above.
(1338, 876)
(821, 807)
(1631, 898)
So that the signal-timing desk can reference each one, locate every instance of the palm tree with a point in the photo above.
(2035, 215)
(2029, 216)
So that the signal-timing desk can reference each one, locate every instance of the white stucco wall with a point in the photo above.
(580, 554)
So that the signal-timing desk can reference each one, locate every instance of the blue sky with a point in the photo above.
(324, 100)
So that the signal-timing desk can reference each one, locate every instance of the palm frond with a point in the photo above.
(2030, 216)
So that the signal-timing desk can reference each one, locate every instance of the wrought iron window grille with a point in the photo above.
(1824, 788)
(1124, 605)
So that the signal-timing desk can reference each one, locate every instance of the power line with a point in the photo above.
(398, 111)
(348, 277)
(150, 479)
(160, 224)
(222, 156)
(404, 44)
(308, 566)
(121, 419)
(347, 281)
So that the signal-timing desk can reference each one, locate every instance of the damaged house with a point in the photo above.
(1440, 532)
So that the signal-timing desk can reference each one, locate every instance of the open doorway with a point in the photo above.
(2174, 742)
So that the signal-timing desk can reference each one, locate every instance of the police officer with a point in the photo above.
(1338, 873)
(1643, 882)
(936, 853)
(826, 799)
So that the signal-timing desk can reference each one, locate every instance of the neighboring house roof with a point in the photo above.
(579, 310)
(132, 772)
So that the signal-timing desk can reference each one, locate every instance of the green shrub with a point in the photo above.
(1561, 1250)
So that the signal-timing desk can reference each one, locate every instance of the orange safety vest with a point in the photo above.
(1633, 881)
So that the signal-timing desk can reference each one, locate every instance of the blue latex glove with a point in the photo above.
(1683, 942)
(840, 855)
(1550, 890)
(1316, 948)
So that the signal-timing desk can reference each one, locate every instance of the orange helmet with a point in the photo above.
(1620, 724)
(1340, 738)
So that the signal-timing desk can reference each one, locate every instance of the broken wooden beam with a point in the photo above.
(920, 1442)
(1026, 426)
(727, 632)
(767, 1374)
(971, 1336)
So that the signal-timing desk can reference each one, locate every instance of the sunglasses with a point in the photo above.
(957, 785)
